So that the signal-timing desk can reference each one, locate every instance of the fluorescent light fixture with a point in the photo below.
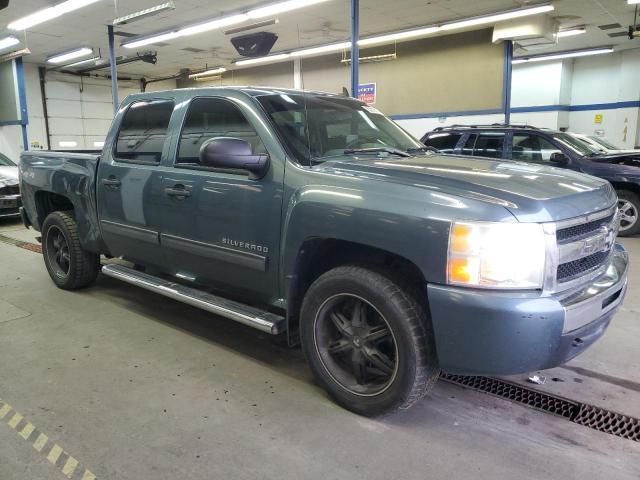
(7, 42)
(561, 55)
(213, 24)
(47, 14)
(220, 22)
(281, 7)
(333, 47)
(63, 57)
(82, 62)
(147, 12)
(208, 73)
(392, 37)
(633, 2)
(15, 54)
(271, 58)
(498, 17)
(98, 144)
(572, 32)
(67, 144)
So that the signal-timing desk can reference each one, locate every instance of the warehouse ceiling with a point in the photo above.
(314, 25)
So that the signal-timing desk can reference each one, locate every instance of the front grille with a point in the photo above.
(565, 235)
(570, 270)
(10, 190)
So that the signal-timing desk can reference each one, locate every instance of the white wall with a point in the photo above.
(11, 141)
(536, 84)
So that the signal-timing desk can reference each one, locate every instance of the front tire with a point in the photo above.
(629, 207)
(69, 265)
(368, 341)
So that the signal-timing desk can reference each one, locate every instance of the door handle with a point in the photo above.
(111, 182)
(179, 193)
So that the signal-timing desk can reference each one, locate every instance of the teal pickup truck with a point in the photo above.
(315, 217)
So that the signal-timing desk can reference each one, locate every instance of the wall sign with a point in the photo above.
(598, 118)
(367, 93)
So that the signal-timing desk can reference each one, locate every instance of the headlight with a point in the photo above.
(496, 255)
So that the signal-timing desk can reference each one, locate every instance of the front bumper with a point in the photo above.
(480, 332)
(10, 205)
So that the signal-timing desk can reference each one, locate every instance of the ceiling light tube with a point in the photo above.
(208, 73)
(147, 12)
(156, 38)
(47, 14)
(561, 55)
(281, 7)
(82, 62)
(572, 32)
(333, 47)
(498, 17)
(392, 37)
(269, 59)
(213, 24)
(8, 42)
(70, 55)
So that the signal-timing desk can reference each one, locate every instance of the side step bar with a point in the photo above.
(245, 314)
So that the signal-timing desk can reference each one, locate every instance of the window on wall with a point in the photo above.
(143, 131)
(209, 118)
(532, 148)
(444, 142)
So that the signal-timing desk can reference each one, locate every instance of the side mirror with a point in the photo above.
(559, 158)
(233, 154)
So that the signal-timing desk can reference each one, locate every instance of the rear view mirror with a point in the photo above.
(233, 154)
(559, 158)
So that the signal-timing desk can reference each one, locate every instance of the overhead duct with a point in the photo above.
(529, 32)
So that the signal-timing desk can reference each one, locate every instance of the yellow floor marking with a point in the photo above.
(40, 442)
(4, 410)
(70, 467)
(27, 430)
(13, 423)
(55, 453)
(88, 475)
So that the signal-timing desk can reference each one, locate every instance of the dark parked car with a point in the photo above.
(9, 188)
(314, 215)
(549, 147)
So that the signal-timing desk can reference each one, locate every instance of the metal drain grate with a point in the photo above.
(587, 415)
(609, 422)
(34, 247)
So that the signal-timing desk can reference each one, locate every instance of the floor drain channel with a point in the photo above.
(34, 247)
(587, 415)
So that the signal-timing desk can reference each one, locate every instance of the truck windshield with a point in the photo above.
(578, 146)
(316, 127)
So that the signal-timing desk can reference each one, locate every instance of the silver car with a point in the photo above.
(9, 189)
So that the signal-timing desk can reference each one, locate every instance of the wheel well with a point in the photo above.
(48, 202)
(631, 187)
(317, 256)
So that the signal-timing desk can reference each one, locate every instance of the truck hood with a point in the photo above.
(8, 176)
(532, 193)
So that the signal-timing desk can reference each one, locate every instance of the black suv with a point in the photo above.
(548, 147)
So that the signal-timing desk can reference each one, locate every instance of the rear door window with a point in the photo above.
(489, 145)
(445, 142)
(143, 131)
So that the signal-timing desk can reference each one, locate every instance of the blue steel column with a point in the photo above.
(114, 69)
(508, 75)
(355, 52)
(22, 98)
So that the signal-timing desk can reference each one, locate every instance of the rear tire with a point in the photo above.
(368, 341)
(69, 265)
(629, 207)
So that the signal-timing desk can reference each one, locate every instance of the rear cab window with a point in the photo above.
(143, 132)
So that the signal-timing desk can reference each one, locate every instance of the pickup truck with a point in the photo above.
(315, 217)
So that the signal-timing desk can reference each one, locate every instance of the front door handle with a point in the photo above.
(111, 182)
(179, 193)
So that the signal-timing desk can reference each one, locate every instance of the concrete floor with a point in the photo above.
(136, 386)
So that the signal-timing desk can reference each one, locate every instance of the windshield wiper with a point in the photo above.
(421, 149)
(391, 150)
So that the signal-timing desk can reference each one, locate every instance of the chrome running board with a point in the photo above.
(245, 314)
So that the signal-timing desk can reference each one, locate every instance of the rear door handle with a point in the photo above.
(111, 182)
(179, 193)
